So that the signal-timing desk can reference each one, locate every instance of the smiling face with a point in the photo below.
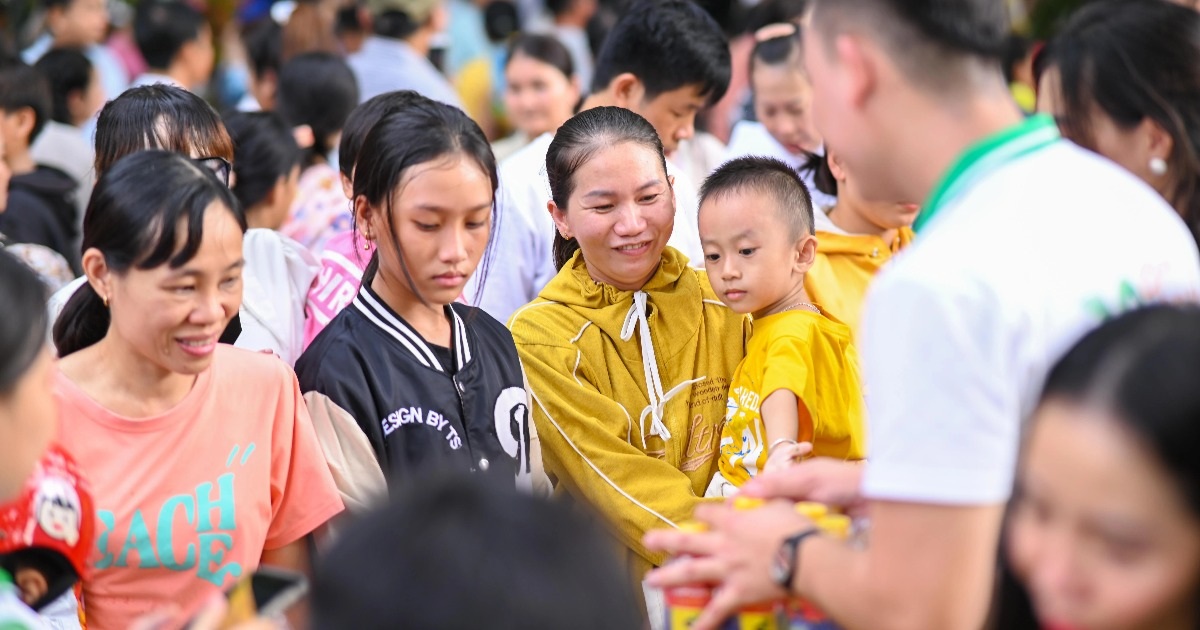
(783, 104)
(621, 211)
(441, 216)
(538, 96)
(1101, 535)
(173, 317)
(753, 261)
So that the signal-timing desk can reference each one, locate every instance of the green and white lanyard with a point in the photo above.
(986, 157)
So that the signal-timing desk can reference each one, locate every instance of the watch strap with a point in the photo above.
(790, 549)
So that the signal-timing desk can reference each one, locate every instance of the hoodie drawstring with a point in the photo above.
(636, 318)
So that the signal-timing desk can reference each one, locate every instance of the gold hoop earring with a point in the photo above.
(105, 299)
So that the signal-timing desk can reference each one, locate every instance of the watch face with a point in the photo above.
(781, 568)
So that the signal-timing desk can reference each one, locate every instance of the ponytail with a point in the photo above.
(564, 249)
(822, 175)
(83, 321)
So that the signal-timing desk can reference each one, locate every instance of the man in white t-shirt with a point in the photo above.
(1025, 243)
(664, 60)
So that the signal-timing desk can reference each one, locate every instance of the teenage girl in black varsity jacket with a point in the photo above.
(429, 382)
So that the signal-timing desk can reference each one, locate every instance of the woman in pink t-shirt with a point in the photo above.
(202, 456)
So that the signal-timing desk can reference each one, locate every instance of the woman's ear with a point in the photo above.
(366, 218)
(560, 220)
(95, 267)
(347, 187)
(1159, 144)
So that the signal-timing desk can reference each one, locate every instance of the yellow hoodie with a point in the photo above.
(630, 422)
(844, 267)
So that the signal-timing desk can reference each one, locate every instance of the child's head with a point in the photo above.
(25, 106)
(317, 90)
(264, 49)
(266, 167)
(424, 189)
(527, 563)
(47, 533)
(782, 93)
(833, 177)
(1105, 529)
(159, 117)
(403, 19)
(75, 88)
(28, 409)
(360, 122)
(756, 226)
(540, 90)
(174, 37)
(76, 23)
(664, 60)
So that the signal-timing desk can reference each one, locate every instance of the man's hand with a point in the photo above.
(736, 554)
(823, 480)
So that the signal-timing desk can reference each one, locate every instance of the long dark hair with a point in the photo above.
(1142, 368)
(264, 151)
(23, 327)
(576, 142)
(1135, 60)
(159, 117)
(421, 131)
(317, 89)
(133, 219)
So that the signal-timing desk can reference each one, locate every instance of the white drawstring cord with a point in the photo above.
(636, 319)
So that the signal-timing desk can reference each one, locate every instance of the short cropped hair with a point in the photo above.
(766, 176)
(460, 551)
(20, 87)
(162, 27)
(932, 41)
(666, 44)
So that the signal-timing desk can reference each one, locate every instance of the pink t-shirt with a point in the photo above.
(342, 266)
(188, 500)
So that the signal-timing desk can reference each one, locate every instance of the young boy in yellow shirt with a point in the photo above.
(799, 382)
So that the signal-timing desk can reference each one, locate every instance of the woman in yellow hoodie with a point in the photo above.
(628, 351)
(856, 237)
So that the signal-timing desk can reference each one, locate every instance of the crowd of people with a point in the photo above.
(483, 313)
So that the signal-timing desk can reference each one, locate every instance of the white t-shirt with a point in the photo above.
(961, 329)
(522, 259)
(752, 138)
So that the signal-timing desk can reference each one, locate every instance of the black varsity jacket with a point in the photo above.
(418, 413)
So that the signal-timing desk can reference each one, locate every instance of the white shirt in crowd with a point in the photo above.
(1025, 255)
(752, 138)
(522, 260)
(385, 64)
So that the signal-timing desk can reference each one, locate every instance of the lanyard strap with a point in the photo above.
(984, 158)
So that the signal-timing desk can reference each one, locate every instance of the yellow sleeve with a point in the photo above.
(831, 407)
(586, 447)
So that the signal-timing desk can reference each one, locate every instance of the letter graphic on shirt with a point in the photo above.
(512, 425)
(433, 418)
(223, 504)
(166, 523)
(212, 552)
(107, 522)
(138, 541)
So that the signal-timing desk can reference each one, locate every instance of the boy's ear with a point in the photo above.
(806, 253)
(627, 90)
(24, 119)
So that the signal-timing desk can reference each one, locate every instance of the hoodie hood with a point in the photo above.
(57, 190)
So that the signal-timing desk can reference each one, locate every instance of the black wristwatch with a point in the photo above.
(783, 569)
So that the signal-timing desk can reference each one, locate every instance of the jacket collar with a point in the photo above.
(378, 313)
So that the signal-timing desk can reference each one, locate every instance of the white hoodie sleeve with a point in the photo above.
(279, 272)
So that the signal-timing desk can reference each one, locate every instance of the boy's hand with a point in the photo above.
(786, 454)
